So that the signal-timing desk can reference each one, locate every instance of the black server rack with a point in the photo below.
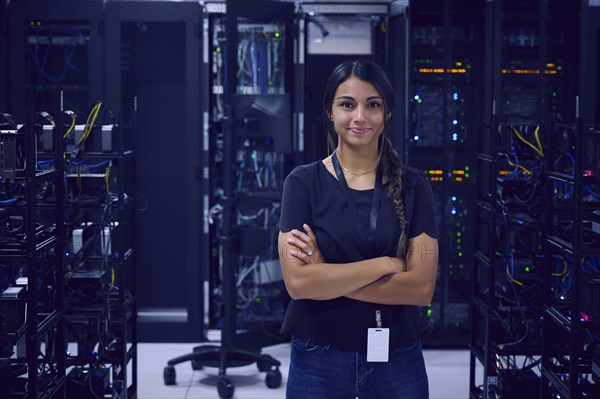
(572, 258)
(153, 63)
(32, 291)
(249, 94)
(55, 69)
(100, 269)
(55, 56)
(530, 72)
(570, 366)
(443, 117)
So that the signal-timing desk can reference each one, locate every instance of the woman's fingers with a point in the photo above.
(306, 243)
(309, 232)
(301, 245)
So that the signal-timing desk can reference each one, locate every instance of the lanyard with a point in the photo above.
(348, 196)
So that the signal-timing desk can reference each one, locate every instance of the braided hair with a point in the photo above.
(372, 73)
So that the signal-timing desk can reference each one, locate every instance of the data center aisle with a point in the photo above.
(448, 371)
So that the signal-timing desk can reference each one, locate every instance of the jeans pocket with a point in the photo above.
(416, 345)
(307, 344)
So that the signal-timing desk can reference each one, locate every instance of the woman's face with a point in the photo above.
(357, 113)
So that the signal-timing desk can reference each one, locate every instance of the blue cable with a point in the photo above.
(95, 165)
(8, 201)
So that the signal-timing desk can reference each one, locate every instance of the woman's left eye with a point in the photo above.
(374, 105)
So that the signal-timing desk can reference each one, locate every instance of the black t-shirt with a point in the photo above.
(312, 195)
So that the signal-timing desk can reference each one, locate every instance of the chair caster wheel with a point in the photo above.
(169, 375)
(225, 388)
(273, 379)
(262, 365)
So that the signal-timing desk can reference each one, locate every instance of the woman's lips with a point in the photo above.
(359, 130)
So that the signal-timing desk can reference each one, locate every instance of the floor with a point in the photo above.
(448, 372)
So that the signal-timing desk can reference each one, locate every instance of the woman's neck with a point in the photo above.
(358, 161)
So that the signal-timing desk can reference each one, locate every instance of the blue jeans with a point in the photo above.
(321, 372)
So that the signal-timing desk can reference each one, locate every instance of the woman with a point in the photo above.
(358, 253)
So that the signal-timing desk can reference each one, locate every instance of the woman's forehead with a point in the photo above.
(354, 87)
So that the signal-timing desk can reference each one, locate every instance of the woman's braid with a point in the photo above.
(392, 168)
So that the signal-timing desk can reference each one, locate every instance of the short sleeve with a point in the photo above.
(295, 201)
(423, 219)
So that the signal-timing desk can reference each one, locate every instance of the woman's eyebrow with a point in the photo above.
(352, 98)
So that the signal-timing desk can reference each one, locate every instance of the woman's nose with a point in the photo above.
(359, 114)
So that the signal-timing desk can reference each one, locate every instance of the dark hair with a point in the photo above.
(372, 73)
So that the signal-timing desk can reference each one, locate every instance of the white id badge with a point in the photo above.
(378, 344)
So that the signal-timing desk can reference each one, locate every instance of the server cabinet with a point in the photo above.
(444, 72)
(153, 63)
(55, 56)
(530, 80)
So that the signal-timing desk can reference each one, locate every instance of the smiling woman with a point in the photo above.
(358, 252)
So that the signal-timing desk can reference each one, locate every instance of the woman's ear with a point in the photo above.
(388, 116)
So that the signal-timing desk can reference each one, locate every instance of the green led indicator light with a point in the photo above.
(419, 101)
(429, 312)
(459, 240)
(466, 168)
(460, 254)
(218, 49)
(31, 23)
(458, 247)
(527, 269)
(39, 23)
(459, 234)
(276, 34)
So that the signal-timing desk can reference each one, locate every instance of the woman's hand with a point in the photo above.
(305, 246)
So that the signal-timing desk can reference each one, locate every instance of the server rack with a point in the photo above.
(445, 81)
(55, 47)
(32, 252)
(100, 275)
(529, 71)
(153, 57)
(572, 275)
(248, 136)
(56, 53)
(571, 240)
